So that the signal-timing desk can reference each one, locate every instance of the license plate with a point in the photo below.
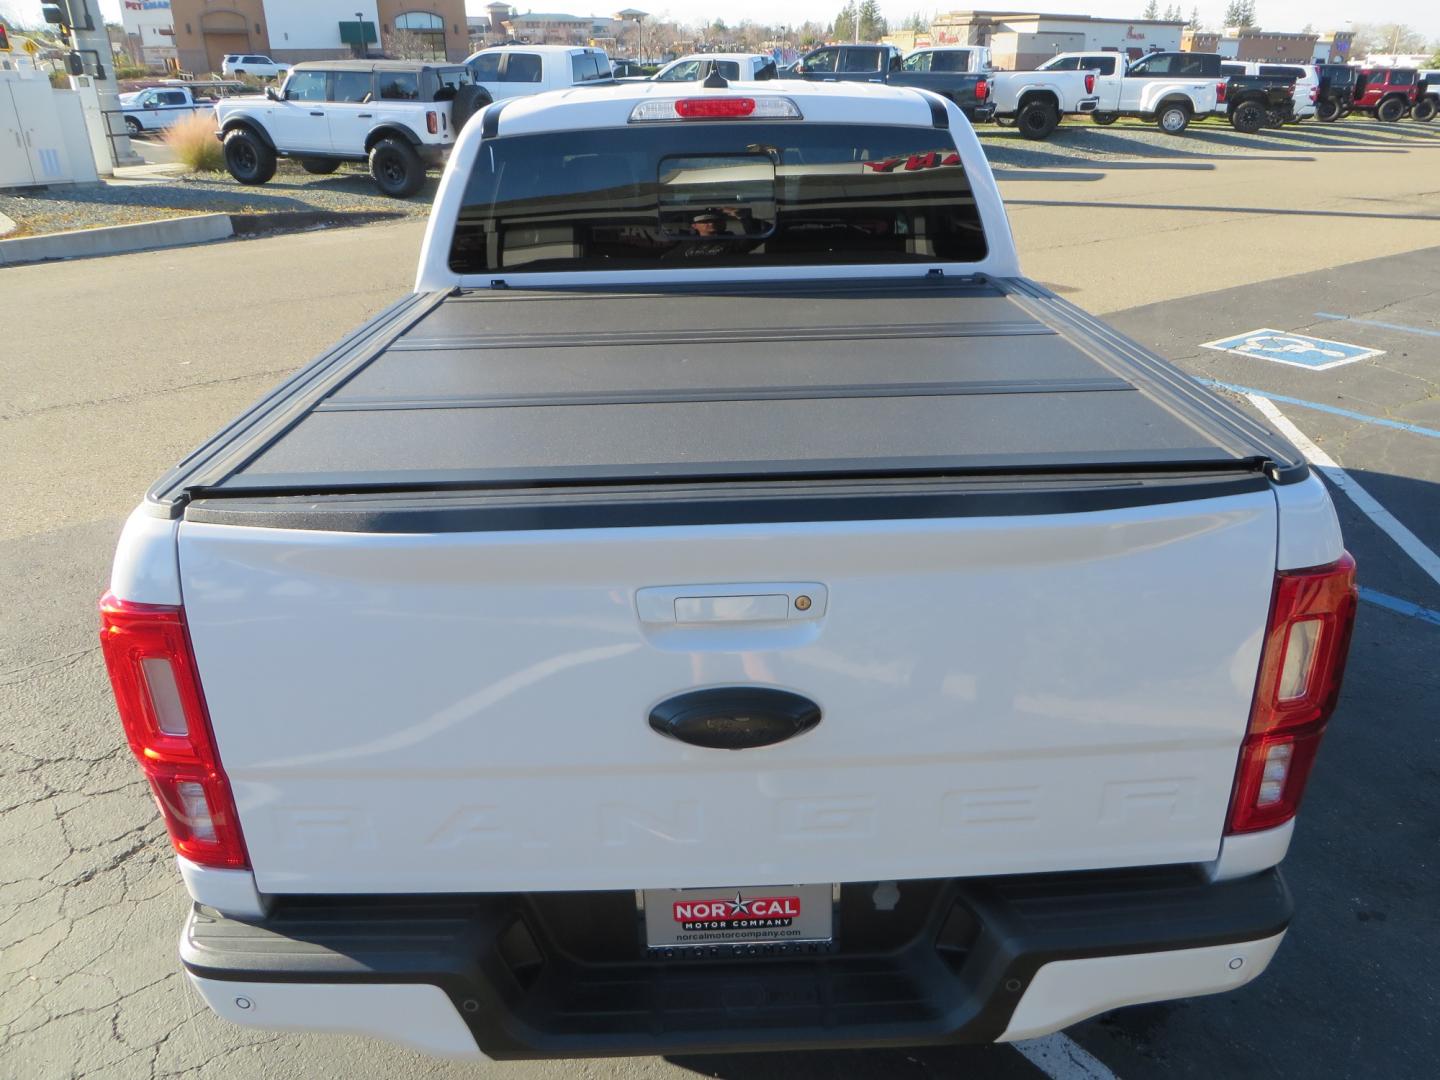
(761, 915)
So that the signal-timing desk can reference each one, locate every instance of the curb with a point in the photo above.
(174, 232)
(261, 224)
(116, 239)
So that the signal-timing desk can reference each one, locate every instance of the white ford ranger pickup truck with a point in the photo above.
(726, 606)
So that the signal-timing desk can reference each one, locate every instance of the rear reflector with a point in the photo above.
(716, 108)
(1302, 663)
(162, 709)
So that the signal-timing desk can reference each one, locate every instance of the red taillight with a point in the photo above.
(1314, 93)
(1301, 666)
(1221, 88)
(1089, 82)
(982, 90)
(706, 108)
(432, 122)
(157, 690)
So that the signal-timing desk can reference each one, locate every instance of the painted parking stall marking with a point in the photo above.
(1297, 350)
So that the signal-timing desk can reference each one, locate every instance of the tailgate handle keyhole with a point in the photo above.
(735, 718)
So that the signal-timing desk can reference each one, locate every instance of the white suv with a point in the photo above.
(400, 116)
(262, 67)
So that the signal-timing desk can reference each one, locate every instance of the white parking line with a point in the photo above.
(1409, 543)
(1061, 1058)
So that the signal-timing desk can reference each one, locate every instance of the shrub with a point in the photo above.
(194, 144)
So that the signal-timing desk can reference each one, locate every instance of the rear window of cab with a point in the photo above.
(716, 195)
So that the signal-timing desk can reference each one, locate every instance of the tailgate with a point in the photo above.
(468, 711)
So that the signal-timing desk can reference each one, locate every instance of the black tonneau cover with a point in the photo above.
(504, 389)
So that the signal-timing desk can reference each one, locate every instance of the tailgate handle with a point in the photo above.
(735, 717)
(768, 602)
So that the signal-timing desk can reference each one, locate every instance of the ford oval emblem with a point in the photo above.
(735, 717)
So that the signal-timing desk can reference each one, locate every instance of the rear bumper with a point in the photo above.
(979, 114)
(560, 975)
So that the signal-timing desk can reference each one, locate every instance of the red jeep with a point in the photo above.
(1385, 93)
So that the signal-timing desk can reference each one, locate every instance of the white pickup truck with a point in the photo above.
(1035, 101)
(725, 606)
(507, 71)
(1167, 89)
(156, 108)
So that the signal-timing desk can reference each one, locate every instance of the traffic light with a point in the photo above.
(71, 13)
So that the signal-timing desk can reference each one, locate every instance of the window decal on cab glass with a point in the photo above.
(935, 159)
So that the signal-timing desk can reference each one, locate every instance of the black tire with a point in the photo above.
(1327, 111)
(1424, 110)
(1248, 117)
(318, 166)
(1274, 118)
(133, 127)
(468, 101)
(1390, 110)
(1037, 119)
(247, 157)
(396, 169)
(1104, 119)
(1173, 118)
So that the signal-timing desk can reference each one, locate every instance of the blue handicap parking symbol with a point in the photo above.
(1298, 350)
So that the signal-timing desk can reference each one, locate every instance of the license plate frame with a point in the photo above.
(738, 920)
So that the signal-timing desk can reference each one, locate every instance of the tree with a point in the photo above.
(916, 23)
(845, 22)
(1240, 13)
(1152, 10)
(872, 23)
(1194, 23)
(1386, 38)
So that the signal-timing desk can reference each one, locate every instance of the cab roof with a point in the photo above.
(611, 105)
(373, 65)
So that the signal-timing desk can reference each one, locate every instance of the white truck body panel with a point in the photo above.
(1067, 692)
(1067, 991)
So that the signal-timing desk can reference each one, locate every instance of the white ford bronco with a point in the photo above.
(727, 606)
(399, 116)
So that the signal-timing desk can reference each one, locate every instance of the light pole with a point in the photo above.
(360, 35)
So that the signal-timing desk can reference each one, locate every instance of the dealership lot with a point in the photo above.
(112, 380)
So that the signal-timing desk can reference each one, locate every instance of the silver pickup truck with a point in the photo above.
(727, 606)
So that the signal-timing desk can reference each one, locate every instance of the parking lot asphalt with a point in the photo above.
(116, 366)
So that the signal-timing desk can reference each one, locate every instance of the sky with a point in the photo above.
(1323, 15)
